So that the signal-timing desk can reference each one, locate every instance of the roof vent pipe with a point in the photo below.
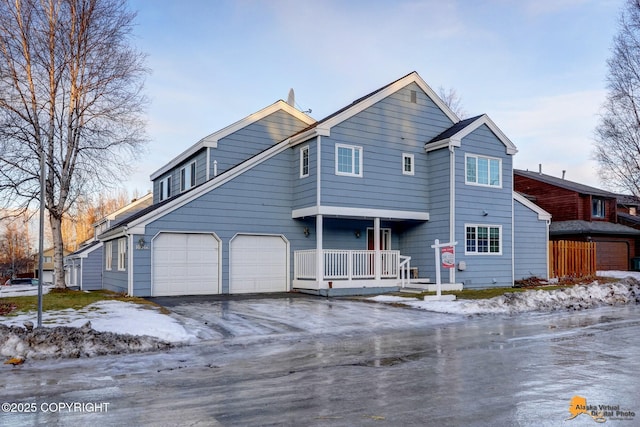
(563, 172)
(540, 168)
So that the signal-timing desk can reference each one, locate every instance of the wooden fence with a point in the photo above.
(573, 259)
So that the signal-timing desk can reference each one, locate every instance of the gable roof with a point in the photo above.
(453, 136)
(323, 127)
(211, 140)
(136, 222)
(564, 183)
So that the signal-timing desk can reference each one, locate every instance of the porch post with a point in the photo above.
(319, 253)
(376, 246)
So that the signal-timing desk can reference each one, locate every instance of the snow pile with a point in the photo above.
(64, 341)
(104, 327)
(578, 297)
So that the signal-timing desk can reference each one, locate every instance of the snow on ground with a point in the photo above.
(115, 327)
(578, 297)
(121, 327)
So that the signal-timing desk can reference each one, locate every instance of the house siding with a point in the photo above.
(114, 280)
(530, 244)
(92, 270)
(252, 139)
(484, 270)
(304, 189)
(256, 202)
(385, 131)
(234, 149)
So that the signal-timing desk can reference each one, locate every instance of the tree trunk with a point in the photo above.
(58, 252)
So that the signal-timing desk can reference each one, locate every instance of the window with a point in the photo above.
(188, 176)
(48, 259)
(483, 239)
(165, 188)
(304, 162)
(483, 171)
(407, 164)
(122, 253)
(348, 160)
(108, 255)
(597, 208)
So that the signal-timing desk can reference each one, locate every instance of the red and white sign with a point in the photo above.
(448, 257)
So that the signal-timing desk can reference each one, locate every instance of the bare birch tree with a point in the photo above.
(617, 148)
(70, 90)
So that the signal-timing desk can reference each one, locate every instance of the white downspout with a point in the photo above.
(130, 264)
(452, 205)
(319, 226)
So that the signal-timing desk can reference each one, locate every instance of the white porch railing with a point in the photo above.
(347, 264)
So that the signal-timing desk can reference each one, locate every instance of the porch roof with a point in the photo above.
(348, 212)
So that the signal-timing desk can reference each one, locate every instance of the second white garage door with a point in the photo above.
(259, 263)
(185, 264)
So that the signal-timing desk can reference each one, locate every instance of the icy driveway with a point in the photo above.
(297, 314)
(319, 362)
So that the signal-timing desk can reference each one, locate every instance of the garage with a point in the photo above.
(612, 255)
(259, 263)
(186, 264)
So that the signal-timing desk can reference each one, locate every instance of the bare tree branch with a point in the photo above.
(617, 148)
(70, 89)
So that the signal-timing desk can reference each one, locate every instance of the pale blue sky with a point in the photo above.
(536, 67)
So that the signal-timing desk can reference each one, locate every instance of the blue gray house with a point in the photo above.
(348, 204)
(84, 267)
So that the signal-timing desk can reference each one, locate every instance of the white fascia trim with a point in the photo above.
(211, 140)
(485, 120)
(309, 134)
(542, 214)
(359, 213)
(368, 102)
(138, 225)
(445, 143)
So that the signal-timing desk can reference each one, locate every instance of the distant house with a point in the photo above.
(584, 213)
(83, 268)
(47, 266)
(349, 204)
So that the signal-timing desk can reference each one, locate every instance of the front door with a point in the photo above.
(385, 239)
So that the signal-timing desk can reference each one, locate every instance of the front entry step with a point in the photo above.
(418, 287)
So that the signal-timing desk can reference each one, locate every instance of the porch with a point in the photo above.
(343, 269)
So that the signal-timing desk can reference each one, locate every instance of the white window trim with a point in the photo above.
(467, 252)
(413, 163)
(122, 254)
(165, 188)
(478, 156)
(303, 150)
(188, 178)
(360, 156)
(108, 259)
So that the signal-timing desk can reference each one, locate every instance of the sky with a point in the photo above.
(538, 68)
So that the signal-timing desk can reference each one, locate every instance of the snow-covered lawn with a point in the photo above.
(578, 297)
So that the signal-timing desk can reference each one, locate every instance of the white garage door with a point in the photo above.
(185, 264)
(258, 264)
